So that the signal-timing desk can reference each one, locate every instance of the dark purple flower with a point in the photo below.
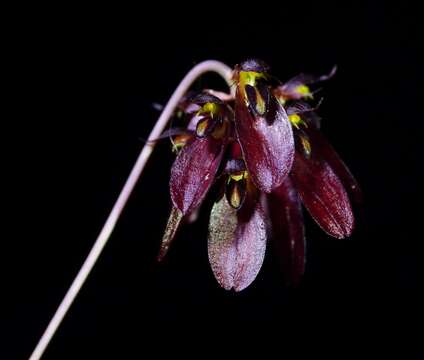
(266, 156)
(195, 167)
(237, 240)
(262, 127)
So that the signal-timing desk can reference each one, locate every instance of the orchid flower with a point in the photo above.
(261, 147)
(263, 150)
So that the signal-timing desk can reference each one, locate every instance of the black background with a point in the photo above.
(89, 81)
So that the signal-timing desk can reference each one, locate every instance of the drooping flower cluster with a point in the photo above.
(264, 152)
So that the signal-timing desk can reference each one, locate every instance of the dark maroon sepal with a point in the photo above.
(193, 172)
(236, 243)
(320, 144)
(267, 143)
(288, 232)
(323, 194)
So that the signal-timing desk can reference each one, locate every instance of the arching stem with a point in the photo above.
(207, 66)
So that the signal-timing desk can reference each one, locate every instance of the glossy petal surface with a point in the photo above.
(236, 244)
(323, 195)
(193, 172)
(327, 152)
(267, 143)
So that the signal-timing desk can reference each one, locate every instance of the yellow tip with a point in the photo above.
(250, 77)
(295, 120)
(304, 91)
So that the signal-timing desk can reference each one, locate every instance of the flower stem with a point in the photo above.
(207, 66)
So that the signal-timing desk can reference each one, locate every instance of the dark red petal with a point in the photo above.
(236, 244)
(170, 231)
(323, 195)
(285, 211)
(267, 143)
(193, 172)
(320, 143)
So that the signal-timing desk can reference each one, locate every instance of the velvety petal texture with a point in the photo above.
(267, 143)
(193, 172)
(236, 244)
(288, 232)
(327, 152)
(323, 194)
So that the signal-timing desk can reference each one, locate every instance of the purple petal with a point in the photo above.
(299, 107)
(193, 172)
(288, 231)
(320, 143)
(309, 79)
(267, 143)
(323, 195)
(236, 243)
(290, 89)
(254, 65)
(170, 231)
